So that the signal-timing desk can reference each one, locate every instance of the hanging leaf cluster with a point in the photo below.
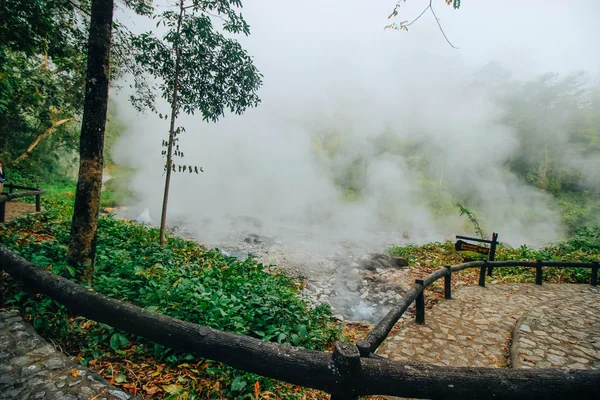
(215, 73)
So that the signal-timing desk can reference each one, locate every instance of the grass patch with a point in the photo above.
(584, 246)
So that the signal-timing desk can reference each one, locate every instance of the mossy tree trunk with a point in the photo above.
(82, 247)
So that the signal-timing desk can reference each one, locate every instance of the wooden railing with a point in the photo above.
(31, 191)
(350, 371)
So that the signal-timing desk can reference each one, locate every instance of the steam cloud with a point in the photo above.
(332, 73)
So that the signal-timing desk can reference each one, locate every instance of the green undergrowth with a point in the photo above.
(584, 246)
(184, 280)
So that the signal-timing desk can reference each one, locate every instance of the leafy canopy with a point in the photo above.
(214, 72)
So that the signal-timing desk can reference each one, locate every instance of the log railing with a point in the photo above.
(31, 191)
(342, 373)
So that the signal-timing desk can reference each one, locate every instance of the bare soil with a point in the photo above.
(16, 209)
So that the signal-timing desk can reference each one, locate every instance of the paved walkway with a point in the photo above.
(549, 326)
(30, 368)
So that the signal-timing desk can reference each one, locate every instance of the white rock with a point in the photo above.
(525, 328)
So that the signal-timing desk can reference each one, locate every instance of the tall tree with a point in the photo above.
(82, 247)
(199, 69)
(42, 64)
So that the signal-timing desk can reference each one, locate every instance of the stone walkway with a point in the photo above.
(549, 326)
(30, 368)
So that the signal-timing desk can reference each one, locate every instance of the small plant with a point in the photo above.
(465, 211)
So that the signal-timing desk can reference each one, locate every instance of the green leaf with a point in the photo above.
(115, 341)
(238, 384)
(302, 331)
(173, 389)
(121, 378)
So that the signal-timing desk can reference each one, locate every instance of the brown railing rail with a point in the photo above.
(343, 373)
(31, 191)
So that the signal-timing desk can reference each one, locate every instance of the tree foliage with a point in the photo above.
(42, 64)
(198, 69)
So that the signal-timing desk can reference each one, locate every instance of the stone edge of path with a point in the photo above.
(31, 368)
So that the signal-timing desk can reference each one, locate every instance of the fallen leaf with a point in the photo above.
(256, 389)
(74, 373)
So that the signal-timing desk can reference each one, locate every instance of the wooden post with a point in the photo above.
(538, 273)
(482, 274)
(1, 288)
(346, 360)
(420, 303)
(448, 282)
(492, 255)
(2, 211)
(594, 281)
(38, 202)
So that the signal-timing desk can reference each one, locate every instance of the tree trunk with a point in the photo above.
(169, 164)
(82, 247)
(40, 137)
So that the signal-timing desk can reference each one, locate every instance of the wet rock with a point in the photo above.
(384, 261)
(253, 239)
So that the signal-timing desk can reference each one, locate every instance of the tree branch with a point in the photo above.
(404, 26)
(42, 136)
(440, 26)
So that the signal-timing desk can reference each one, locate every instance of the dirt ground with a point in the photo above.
(16, 209)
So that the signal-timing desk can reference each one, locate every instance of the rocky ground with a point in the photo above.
(360, 283)
(346, 270)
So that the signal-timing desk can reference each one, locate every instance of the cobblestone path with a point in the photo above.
(30, 368)
(550, 326)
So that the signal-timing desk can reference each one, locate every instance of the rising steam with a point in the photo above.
(361, 131)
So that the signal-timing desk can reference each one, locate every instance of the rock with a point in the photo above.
(352, 286)
(383, 261)
(29, 370)
(253, 239)
(556, 360)
(54, 363)
(525, 328)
